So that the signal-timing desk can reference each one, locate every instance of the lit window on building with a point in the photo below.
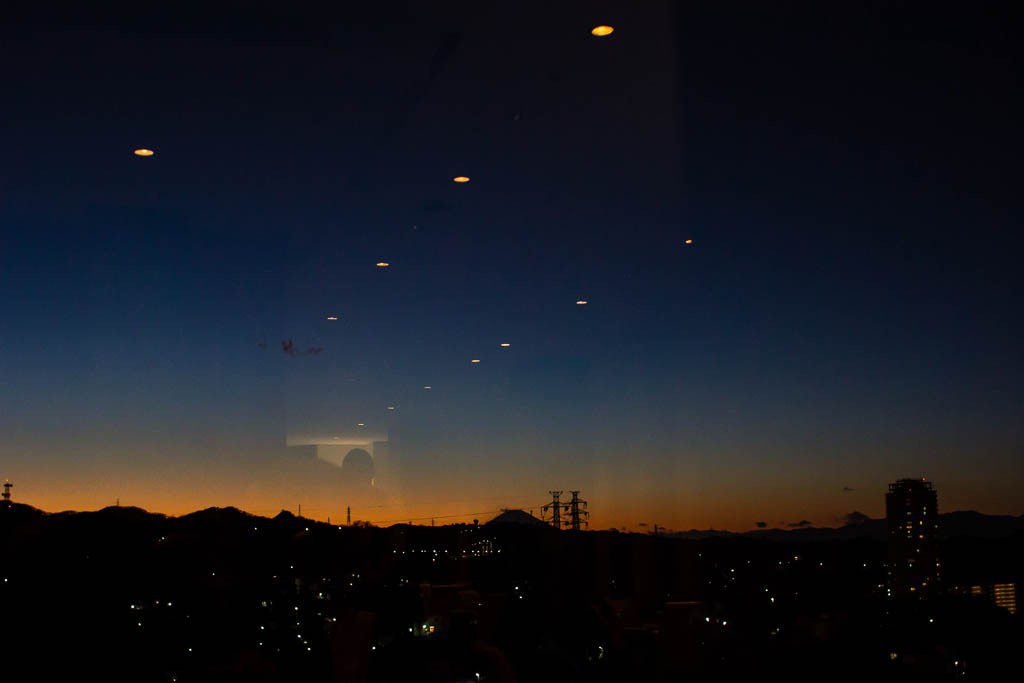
(1005, 596)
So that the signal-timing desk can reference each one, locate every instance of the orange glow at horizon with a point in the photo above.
(266, 485)
(319, 505)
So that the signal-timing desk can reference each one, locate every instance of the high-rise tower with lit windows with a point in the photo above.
(912, 511)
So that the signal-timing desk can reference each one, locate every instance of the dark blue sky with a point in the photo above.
(847, 314)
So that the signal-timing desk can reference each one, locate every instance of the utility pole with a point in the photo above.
(348, 515)
(578, 515)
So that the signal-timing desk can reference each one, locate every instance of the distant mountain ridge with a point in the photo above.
(960, 523)
(957, 524)
(517, 517)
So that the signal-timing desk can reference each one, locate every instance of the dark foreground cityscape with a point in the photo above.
(221, 595)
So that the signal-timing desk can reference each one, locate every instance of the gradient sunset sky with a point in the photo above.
(848, 313)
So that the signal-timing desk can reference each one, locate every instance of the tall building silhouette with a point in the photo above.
(912, 512)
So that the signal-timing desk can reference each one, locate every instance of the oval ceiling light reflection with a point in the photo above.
(332, 317)
(143, 152)
(383, 264)
(505, 345)
(475, 360)
(461, 179)
(581, 302)
(602, 31)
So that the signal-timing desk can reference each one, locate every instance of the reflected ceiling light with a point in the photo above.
(360, 424)
(143, 152)
(475, 360)
(332, 317)
(391, 407)
(601, 31)
(427, 387)
(505, 345)
(461, 179)
(383, 264)
(689, 242)
(581, 302)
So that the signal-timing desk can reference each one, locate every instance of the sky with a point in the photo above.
(846, 314)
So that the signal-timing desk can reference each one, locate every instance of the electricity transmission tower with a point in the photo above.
(555, 508)
(575, 510)
(578, 515)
